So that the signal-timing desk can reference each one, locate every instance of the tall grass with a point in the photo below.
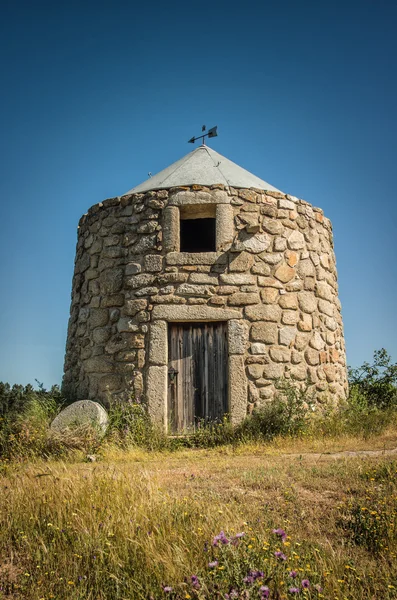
(198, 526)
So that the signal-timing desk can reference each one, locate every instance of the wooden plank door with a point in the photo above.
(197, 374)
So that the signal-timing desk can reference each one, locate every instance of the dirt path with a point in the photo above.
(344, 453)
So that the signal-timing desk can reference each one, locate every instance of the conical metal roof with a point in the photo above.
(203, 166)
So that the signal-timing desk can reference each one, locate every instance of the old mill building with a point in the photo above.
(198, 290)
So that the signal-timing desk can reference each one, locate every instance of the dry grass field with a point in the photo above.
(200, 523)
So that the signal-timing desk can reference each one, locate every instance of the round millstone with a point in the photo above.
(83, 412)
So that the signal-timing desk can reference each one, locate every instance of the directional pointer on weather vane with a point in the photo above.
(211, 133)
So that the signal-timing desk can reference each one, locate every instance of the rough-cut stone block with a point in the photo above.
(269, 295)
(279, 244)
(111, 281)
(224, 227)
(272, 258)
(126, 324)
(287, 335)
(101, 335)
(331, 323)
(269, 282)
(165, 278)
(264, 332)
(156, 394)
(307, 302)
(261, 269)
(326, 307)
(158, 343)
(292, 258)
(146, 291)
(272, 226)
(194, 313)
(263, 313)
(153, 263)
(197, 258)
(188, 197)
(110, 383)
(238, 389)
(171, 229)
(133, 268)
(99, 364)
(237, 279)
(273, 371)
(136, 281)
(325, 292)
(112, 300)
(288, 204)
(248, 195)
(296, 240)
(280, 355)
(306, 268)
(237, 336)
(255, 371)
(301, 341)
(208, 278)
(254, 243)
(290, 317)
(243, 299)
(312, 357)
(241, 262)
(299, 372)
(98, 317)
(306, 323)
(288, 301)
(317, 341)
(132, 307)
(258, 348)
(284, 273)
(187, 289)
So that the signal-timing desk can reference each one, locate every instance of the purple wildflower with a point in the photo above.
(220, 539)
(167, 589)
(318, 588)
(253, 576)
(293, 574)
(264, 590)
(281, 533)
(305, 584)
(213, 564)
(240, 535)
(280, 555)
(195, 582)
(294, 590)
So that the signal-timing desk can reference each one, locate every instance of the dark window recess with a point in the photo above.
(198, 235)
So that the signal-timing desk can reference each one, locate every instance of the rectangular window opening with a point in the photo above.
(198, 235)
(198, 228)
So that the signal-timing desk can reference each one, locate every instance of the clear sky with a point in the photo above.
(97, 94)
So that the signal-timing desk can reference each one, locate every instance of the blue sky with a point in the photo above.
(96, 95)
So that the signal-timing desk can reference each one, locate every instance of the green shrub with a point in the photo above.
(25, 414)
(287, 414)
(376, 384)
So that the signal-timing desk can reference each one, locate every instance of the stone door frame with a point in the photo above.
(157, 372)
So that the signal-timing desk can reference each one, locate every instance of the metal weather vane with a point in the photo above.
(211, 133)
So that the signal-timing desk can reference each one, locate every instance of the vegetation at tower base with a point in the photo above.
(25, 414)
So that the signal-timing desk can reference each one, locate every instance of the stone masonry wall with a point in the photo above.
(274, 264)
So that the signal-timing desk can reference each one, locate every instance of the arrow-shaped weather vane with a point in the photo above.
(211, 133)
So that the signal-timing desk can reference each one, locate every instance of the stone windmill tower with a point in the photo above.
(198, 289)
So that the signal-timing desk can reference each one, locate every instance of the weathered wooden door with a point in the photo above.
(197, 374)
